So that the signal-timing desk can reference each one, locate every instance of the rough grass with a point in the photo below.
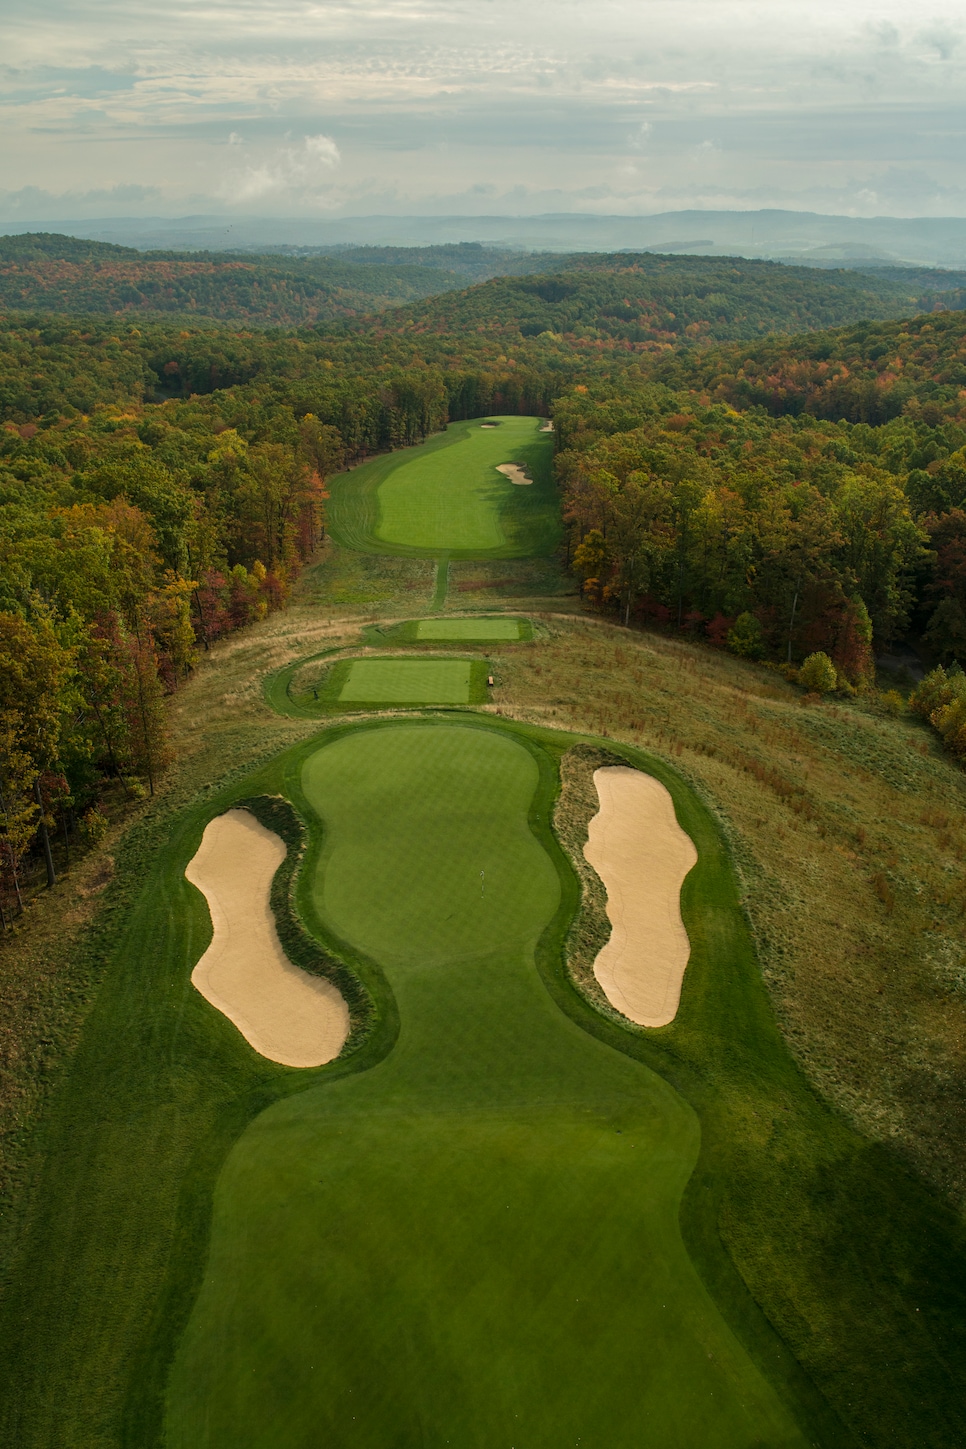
(575, 807)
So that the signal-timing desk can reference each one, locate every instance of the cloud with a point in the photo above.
(942, 38)
(297, 169)
(239, 102)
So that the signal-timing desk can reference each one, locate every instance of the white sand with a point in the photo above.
(642, 855)
(284, 1013)
(489, 425)
(546, 427)
(514, 472)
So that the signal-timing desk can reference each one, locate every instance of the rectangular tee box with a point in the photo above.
(407, 681)
(468, 629)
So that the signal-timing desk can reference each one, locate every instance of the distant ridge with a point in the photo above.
(801, 236)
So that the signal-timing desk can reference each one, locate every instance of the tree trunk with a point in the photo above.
(201, 621)
(791, 623)
(45, 838)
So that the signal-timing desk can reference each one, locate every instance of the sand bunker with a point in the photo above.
(284, 1013)
(642, 855)
(546, 427)
(514, 472)
(489, 425)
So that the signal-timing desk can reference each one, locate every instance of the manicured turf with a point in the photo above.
(790, 1216)
(333, 686)
(476, 1242)
(407, 681)
(485, 630)
(446, 498)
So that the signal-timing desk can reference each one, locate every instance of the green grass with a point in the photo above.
(484, 630)
(472, 629)
(477, 1242)
(407, 681)
(792, 1219)
(320, 686)
(446, 497)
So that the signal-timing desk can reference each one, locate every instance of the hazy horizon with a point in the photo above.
(316, 109)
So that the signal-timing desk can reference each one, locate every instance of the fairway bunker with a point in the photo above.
(516, 474)
(287, 1015)
(642, 855)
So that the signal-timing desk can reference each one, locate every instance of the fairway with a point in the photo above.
(475, 1242)
(407, 681)
(447, 496)
(484, 630)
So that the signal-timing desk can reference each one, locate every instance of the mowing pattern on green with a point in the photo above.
(407, 681)
(475, 1242)
(467, 629)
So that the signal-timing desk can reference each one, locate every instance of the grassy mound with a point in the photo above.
(319, 687)
(407, 681)
(490, 630)
(447, 497)
(491, 1216)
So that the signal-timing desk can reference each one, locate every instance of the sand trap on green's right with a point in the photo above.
(480, 629)
(642, 855)
(407, 681)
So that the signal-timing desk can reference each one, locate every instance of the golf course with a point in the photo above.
(477, 1240)
(432, 1092)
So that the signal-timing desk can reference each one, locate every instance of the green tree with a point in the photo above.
(818, 674)
(745, 637)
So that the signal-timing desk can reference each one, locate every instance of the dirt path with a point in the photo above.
(284, 1013)
(642, 856)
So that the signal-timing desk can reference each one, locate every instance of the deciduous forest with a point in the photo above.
(791, 498)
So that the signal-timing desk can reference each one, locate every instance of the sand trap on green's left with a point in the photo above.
(468, 629)
(286, 1014)
(407, 681)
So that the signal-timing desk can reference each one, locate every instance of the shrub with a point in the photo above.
(818, 674)
(950, 721)
(745, 639)
(937, 690)
(92, 826)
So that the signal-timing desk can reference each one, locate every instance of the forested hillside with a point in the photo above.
(636, 301)
(162, 484)
(64, 274)
(649, 304)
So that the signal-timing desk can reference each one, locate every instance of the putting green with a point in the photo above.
(446, 496)
(476, 1241)
(469, 629)
(407, 681)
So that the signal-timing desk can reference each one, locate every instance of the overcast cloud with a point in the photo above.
(288, 107)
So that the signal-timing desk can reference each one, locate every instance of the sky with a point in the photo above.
(513, 107)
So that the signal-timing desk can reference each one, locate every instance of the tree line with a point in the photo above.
(162, 486)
